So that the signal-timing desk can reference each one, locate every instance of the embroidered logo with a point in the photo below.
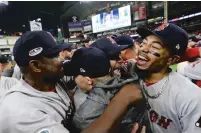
(82, 70)
(162, 27)
(112, 40)
(44, 131)
(177, 46)
(35, 51)
(162, 121)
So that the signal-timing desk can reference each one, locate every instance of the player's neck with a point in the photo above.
(39, 84)
(156, 77)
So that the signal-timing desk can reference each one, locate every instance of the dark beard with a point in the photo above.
(142, 73)
(52, 79)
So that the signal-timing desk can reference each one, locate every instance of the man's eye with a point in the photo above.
(155, 47)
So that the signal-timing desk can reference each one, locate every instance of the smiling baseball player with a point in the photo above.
(174, 101)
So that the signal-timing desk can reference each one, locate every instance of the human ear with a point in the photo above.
(172, 60)
(34, 65)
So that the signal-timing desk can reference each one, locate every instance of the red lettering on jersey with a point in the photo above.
(163, 123)
(153, 116)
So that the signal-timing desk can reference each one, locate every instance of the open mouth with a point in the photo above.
(142, 60)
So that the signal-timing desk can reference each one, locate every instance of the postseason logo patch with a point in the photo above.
(44, 131)
(35, 51)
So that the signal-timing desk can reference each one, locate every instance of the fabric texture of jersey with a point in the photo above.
(33, 111)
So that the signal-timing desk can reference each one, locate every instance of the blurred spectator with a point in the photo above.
(7, 68)
(112, 50)
(130, 52)
(66, 53)
(5, 82)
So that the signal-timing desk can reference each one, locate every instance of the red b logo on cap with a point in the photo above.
(162, 27)
(113, 41)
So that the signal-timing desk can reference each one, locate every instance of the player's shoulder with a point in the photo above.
(178, 79)
(9, 80)
(183, 84)
(183, 87)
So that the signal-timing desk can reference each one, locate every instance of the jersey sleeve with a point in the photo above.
(37, 122)
(190, 112)
(192, 71)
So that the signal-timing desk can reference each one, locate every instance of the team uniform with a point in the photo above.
(27, 110)
(178, 107)
(6, 83)
(193, 71)
(17, 73)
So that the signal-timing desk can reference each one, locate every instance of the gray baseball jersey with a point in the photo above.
(79, 97)
(23, 109)
(6, 83)
(178, 108)
(17, 73)
(193, 71)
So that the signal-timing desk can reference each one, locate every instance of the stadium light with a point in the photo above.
(4, 2)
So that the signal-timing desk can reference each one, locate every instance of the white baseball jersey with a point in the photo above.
(193, 71)
(178, 108)
(24, 109)
(6, 83)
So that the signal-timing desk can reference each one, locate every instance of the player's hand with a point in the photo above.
(135, 128)
(132, 93)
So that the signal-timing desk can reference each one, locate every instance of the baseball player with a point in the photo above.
(130, 52)
(67, 52)
(173, 101)
(39, 103)
(191, 70)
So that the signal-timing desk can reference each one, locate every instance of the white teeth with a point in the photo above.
(143, 58)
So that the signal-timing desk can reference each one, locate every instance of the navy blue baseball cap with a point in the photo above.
(174, 37)
(113, 36)
(124, 40)
(109, 46)
(91, 62)
(67, 46)
(4, 59)
(33, 44)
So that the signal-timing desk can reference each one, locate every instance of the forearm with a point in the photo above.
(111, 116)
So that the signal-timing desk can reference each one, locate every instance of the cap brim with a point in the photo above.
(145, 33)
(55, 50)
(123, 47)
(66, 46)
(70, 69)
